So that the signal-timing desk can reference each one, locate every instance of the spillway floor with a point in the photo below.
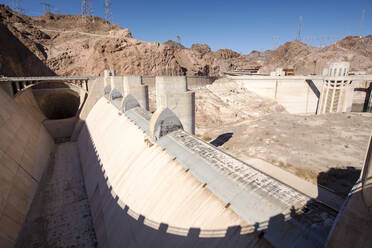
(60, 215)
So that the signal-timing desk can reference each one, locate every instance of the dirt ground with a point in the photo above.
(324, 149)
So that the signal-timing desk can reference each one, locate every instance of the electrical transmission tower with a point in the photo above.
(178, 38)
(108, 13)
(275, 42)
(47, 7)
(16, 7)
(361, 23)
(299, 29)
(86, 9)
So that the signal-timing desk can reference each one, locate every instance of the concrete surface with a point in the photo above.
(60, 129)
(60, 213)
(172, 93)
(195, 201)
(95, 92)
(133, 85)
(353, 226)
(25, 151)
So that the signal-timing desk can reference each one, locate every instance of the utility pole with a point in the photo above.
(362, 23)
(299, 29)
(86, 9)
(108, 13)
(47, 7)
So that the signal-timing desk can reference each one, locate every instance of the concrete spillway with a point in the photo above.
(177, 191)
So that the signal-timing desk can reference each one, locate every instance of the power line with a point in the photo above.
(47, 7)
(17, 7)
(86, 9)
(108, 13)
(299, 29)
(275, 42)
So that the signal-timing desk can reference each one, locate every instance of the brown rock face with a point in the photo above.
(72, 45)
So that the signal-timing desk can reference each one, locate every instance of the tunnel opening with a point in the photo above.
(58, 103)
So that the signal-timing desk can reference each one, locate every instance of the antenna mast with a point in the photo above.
(108, 13)
(299, 29)
(362, 23)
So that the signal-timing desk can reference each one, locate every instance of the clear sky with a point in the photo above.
(242, 26)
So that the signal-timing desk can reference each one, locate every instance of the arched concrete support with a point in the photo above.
(133, 85)
(172, 93)
(116, 98)
(117, 93)
(129, 102)
(162, 122)
(107, 91)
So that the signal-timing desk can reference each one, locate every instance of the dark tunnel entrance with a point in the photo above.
(58, 103)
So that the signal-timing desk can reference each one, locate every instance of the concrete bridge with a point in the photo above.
(116, 175)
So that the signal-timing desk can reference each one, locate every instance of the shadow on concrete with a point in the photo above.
(315, 91)
(116, 224)
(221, 139)
(367, 99)
(339, 181)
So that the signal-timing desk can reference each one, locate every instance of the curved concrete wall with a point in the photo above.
(25, 151)
(140, 195)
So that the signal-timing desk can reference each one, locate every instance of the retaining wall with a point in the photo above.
(25, 150)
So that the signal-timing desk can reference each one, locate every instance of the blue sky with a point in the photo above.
(242, 26)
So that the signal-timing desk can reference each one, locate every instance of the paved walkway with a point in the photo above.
(60, 214)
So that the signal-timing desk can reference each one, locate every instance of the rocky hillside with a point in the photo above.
(71, 45)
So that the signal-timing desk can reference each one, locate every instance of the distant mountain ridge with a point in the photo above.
(72, 45)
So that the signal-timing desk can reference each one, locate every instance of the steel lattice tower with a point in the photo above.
(47, 7)
(86, 9)
(16, 7)
(108, 13)
(299, 29)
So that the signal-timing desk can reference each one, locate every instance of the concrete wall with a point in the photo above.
(353, 226)
(172, 93)
(25, 151)
(148, 212)
(296, 96)
(62, 128)
(95, 93)
(193, 82)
